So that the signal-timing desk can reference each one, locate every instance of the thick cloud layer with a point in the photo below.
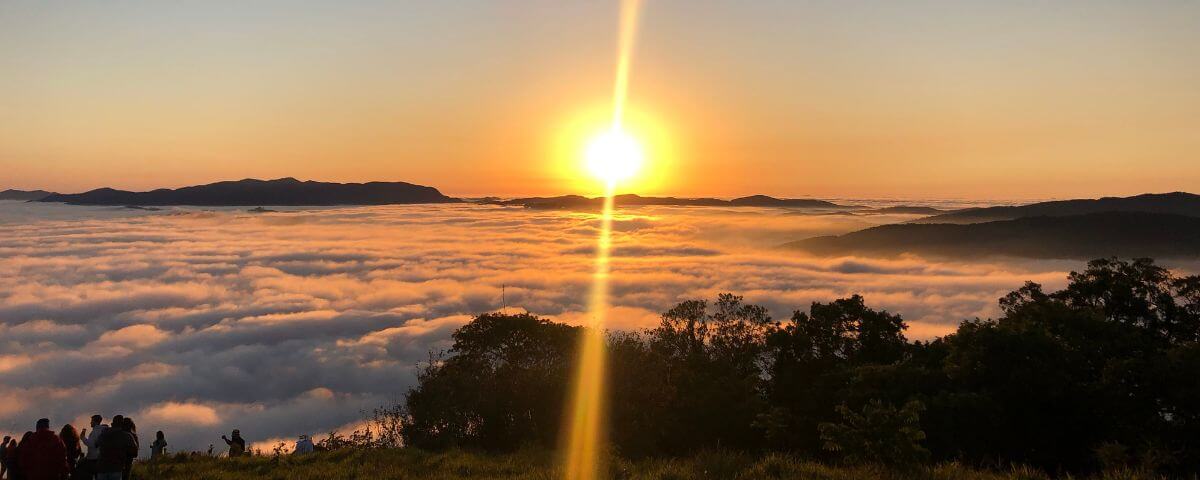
(197, 322)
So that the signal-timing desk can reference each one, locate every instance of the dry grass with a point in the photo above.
(396, 464)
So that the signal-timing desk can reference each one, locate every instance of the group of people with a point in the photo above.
(45, 455)
(237, 445)
(110, 451)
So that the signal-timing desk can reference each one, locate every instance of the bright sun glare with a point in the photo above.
(614, 156)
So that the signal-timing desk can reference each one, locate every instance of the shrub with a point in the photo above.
(880, 433)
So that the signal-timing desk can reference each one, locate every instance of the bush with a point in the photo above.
(880, 433)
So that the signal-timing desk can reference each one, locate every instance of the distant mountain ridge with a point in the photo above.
(1175, 203)
(1092, 235)
(24, 195)
(578, 202)
(253, 192)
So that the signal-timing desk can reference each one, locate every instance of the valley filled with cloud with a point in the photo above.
(196, 321)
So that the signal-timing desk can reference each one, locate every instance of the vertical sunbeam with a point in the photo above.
(625, 39)
(585, 417)
(586, 435)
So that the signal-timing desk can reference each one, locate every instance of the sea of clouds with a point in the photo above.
(198, 321)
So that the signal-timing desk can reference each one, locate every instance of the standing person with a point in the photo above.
(3, 457)
(117, 421)
(70, 440)
(116, 447)
(237, 445)
(303, 445)
(87, 467)
(128, 425)
(159, 447)
(43, 456)
(15, 471)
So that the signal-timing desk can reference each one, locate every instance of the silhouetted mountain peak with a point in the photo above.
(768, 201)
(635, 200)
(755, 198)
(25, 195)
(280, 191)
(1091, 235)
(1175, 203)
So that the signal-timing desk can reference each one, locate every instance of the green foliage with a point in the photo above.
(502, 386)
(712, 359)
(814, 358)
(1057, 382)
(880, 433)
(1059, 375)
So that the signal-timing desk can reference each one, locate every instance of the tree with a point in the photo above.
(812, 360)
(880, 433)
(1059, 375)
(1103, 372)
(714, 362)
(501, 386)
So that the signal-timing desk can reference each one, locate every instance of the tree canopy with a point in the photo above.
(1104, 372)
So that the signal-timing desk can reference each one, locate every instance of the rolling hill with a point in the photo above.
(1176, 203)
(577, 202)
(1093, 235)
(283, 191)
(24, 195)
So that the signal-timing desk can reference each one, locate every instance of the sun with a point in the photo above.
(614, 156)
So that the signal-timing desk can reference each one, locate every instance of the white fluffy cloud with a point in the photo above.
(198, 322)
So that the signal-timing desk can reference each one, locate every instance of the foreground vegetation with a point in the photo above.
(408, 463)
(1103, 375)
(1098, 380)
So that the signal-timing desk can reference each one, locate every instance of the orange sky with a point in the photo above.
(935, 98)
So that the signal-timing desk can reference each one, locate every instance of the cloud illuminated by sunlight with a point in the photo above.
(117, 310)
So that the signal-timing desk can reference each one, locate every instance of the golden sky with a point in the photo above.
(932, 98)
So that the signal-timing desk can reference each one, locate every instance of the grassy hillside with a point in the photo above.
(415, 464)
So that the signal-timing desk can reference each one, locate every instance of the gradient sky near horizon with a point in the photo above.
(930, 98)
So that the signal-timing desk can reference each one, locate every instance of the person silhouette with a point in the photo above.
(117, 446)
(15, 472)
(4, 456)
(237, 445)
(159, 447)
(70, 439)
(43, 456)
(128, 425)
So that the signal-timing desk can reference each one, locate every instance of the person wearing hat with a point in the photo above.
(237, 445)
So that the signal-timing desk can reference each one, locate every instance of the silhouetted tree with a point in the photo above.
(812, 360)
(714, 362)
(1107, 360)
(1103, 372)
(502, 385)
